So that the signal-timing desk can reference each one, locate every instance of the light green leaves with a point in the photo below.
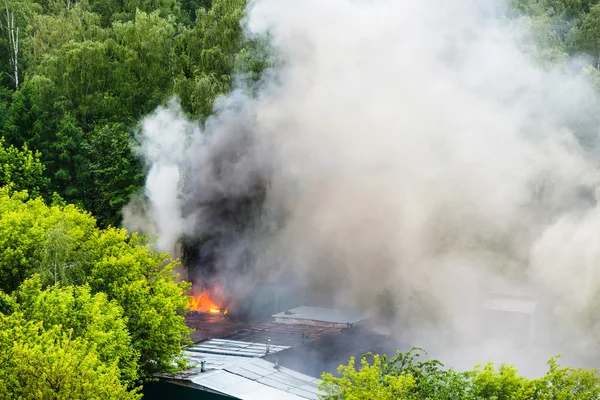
(143, 330)
(64, 343)
(404, 377)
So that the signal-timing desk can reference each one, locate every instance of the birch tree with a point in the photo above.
(13, 42)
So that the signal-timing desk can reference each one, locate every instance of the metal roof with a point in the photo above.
(242, 369)
(327, 353)
(235, 348)
(208, 325)
(511, 304)
(250, 378)
(282, 334)
(330, 315)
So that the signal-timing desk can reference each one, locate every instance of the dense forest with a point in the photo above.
(78, 77)
(88, 310)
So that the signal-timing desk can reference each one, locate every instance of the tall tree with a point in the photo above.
(63, 244)
(21, 169)
(64, 343)
(406, 377)
(83, 315)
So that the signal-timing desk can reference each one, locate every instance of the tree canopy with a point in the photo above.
(87, 72)
(405, 376)
(64, 342)
(74, 284)
(88, 310)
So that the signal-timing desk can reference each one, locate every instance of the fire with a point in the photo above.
(204, 303)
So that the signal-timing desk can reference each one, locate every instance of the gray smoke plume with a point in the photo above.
(408, 145)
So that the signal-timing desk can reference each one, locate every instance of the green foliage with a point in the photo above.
(32, 239)
(90, 70)
(83, 315)
(371, 382)
(208, 72)
(406, 377)
(116, 174)
(62, 244)
(21, 169)
(64, 343)
(143, 283)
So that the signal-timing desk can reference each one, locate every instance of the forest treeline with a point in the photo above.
(77, 77)
(85, 313)
(408, 377)
(88, 310)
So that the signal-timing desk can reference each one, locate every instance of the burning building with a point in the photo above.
(351, 167)
(281, 358)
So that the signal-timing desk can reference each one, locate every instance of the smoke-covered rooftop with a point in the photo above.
(414, 147)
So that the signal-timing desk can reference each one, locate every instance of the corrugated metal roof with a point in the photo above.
(240, 387)
(235, 348)
(251, 378)
(331, 315)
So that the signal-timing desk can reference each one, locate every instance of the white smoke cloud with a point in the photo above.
(164, 139)
(402, 144)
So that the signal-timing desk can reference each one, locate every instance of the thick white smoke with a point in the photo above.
(163, 146)
(402, 144)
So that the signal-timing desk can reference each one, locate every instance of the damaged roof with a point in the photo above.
(327, 353)
(304, 342)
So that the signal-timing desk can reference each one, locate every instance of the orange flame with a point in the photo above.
(204, 303)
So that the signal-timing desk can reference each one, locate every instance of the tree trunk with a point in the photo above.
(13, 42)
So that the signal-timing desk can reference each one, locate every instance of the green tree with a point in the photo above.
(64, 343)
(116, 173)
(50, 364)
(88, 83)
(16, 15)
(27, 227)
(63, 244)
(61, 24)
(84, 315)
(22, 169)
(209, 55)
(586, 37)
(144, 284)
(405, 377)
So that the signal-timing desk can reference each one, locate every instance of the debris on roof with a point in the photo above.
(280, 359)
(327, 353)
(207, 326)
